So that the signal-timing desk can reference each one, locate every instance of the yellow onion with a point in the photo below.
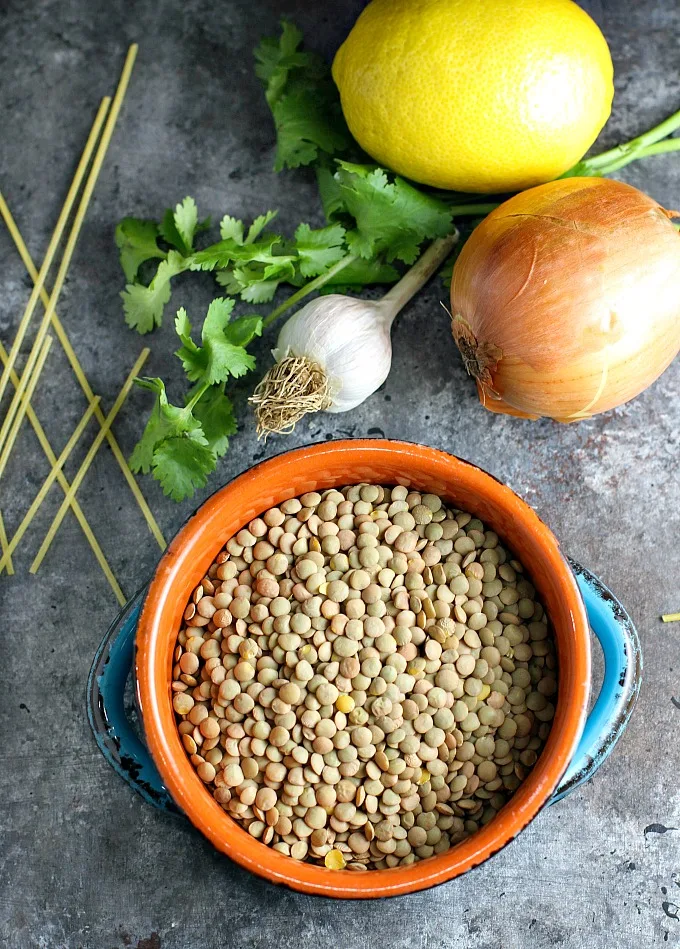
(565, 300)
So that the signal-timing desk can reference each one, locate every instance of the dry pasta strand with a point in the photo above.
(64, 484)
(30, 389)
(82, 379)
(82, 471)
(54, 241)
(88, 190)
(48, 482)
(7, 559)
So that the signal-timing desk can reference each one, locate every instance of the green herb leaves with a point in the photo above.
(373, 219)
(390, 216)
(144, 306)
(216, 414)
(179, 227)
(173, 447)
(303, 100)
(180, 446)
(319, 250)
(218, 358)
(137, 242)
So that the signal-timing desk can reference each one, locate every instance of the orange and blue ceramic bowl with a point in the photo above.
(153, 760)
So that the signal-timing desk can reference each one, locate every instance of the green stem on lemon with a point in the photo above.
(653, 142)
(642, 146)
(658, 148)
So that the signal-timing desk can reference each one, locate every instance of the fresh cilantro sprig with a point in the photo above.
(174, 447)
(303, 99)
(374, 220)
(389, 216)
(181, 444)
(137, 241)
(144, 305)
(249, 263)
(222, 353)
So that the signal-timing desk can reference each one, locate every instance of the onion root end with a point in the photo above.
(480, 359)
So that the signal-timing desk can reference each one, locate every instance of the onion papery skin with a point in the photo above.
(565, 300)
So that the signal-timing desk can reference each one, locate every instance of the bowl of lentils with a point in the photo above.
(363, 667)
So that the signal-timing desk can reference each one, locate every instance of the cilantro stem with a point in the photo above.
(308, 288)
(657, 148)
(196, 397)
(643, 146)
(474, 210)
(637, 147)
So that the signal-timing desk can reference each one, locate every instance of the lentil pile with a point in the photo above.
(364, 677)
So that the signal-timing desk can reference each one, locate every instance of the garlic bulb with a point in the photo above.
(349, 338)
(335, 351)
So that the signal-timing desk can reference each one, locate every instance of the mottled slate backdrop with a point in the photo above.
(83, 862)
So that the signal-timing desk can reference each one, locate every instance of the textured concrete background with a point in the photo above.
(83, 861)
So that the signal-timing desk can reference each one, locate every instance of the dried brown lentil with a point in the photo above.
(363, 677)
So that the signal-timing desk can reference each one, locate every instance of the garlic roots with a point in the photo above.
(336, 350)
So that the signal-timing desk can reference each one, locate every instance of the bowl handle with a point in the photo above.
(112, 729)
(621, 685)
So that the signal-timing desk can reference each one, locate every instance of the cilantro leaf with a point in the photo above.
(186, 219)
(182, 465)
(250, 268)
(183, 330)
(259, 225)
(143, 306)
(243, 331)
(224, 358)
(225, 252)
(173, 446)
(320, 249)
(390, 215)
(303, 99)
(257, 283)
(218, 358)
(166, 420)
(137, 241)
(274, 59)
(216, 415)
(304, 127)
(330, 192)
(217, 256)
(169, 232)
(179, 227)
(248, 284)
(231, 229)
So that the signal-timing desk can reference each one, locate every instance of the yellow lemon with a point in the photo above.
(475, 95)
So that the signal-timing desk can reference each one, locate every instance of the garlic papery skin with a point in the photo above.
(334, 352)
(349, 339)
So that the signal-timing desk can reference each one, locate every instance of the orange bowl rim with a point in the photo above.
(153, 677)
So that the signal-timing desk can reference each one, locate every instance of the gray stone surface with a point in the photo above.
(83, 861)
